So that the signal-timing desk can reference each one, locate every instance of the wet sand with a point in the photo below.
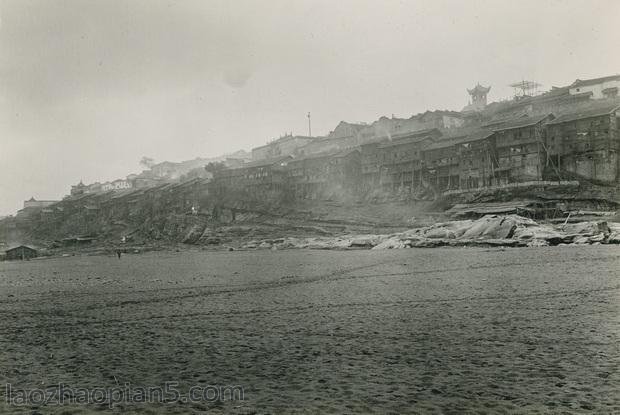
(446, 330)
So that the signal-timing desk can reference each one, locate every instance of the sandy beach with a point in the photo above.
(446, 330)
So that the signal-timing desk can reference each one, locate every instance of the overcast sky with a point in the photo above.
(89, 87)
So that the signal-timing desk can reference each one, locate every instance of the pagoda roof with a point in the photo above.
(479, 89)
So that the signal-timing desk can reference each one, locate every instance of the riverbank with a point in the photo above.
(488, 231)
(446, 330)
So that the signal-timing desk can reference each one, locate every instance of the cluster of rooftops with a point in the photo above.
(552, 108)
(556, 106)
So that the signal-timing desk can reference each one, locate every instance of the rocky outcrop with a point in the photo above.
(194, 234)
(490, 230)
(614, 236)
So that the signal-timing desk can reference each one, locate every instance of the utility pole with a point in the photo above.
(309, 126)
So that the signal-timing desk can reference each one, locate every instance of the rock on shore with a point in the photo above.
(490, 230)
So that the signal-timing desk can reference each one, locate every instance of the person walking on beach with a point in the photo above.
(118, 253)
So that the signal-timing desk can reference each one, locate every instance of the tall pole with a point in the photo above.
(309, 126)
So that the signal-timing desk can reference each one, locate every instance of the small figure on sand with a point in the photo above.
(119, 253)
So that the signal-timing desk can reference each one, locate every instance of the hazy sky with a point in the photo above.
(89, 87)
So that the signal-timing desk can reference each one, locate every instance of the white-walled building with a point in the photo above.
(119, 184)
(605, 87)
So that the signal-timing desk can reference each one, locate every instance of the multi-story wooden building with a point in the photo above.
(520, 149)
(325, 175)
(586, 143)
(477, 158)
(371, 159)
(440, 165)
(401, 157)
(254, 178)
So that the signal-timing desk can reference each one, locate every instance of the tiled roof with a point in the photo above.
(521, 122)
(265, 162)
(471, 135)
(356, 126)
(346, 152)
(12, 247)
(594, 81)
(588, 112)
(410, 137)
(338, 154)
(284, 139)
